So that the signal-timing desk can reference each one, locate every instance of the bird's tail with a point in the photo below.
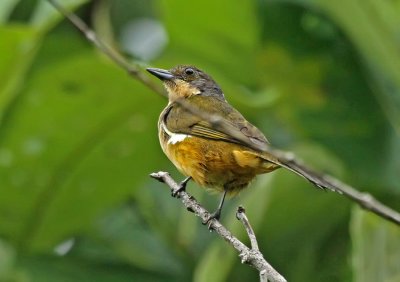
(269, 161)
(315, 178)
(290, 163)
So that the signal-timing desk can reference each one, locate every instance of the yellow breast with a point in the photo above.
(212, 163)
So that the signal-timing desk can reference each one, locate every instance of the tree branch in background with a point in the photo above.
(363, 199)
(249, 256)
(112, 53)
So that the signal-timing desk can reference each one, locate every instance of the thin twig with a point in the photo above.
(132, 69)
(287, 159)
(365, 200)
(241, 215)
(249, 256)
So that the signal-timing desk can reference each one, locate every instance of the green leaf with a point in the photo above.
(78, 153)
(213, 33)
(125, 233)
(376, 248)
(7, 260)
(19, 47)
(372, 27)
(45, 16)
(6, 7)
(324, 95)
(65, 269)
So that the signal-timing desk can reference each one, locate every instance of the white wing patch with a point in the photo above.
(175, 137)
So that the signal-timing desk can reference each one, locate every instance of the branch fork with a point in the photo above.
(251, 256)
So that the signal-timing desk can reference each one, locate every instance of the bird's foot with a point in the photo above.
(182, 187)
(215, 215)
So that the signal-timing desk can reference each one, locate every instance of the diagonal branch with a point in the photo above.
(112, 53)
(252, 256)
(286, 159)
(363, 199)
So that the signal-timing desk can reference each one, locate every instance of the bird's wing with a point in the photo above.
(204, 129)
(233, 127)
(221, 122)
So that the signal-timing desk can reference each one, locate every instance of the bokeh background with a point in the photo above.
(78, 138)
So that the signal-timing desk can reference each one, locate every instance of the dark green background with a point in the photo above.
(78, 140)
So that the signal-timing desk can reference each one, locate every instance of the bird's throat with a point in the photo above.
(180, 89)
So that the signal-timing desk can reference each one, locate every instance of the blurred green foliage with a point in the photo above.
(78, 140)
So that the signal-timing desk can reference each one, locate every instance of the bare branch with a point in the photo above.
(365, 200)
(114, 55)
(241, 215)
(252, 256)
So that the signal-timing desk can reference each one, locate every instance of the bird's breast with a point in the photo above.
(211, 163)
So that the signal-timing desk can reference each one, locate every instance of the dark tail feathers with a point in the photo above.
(315, 178)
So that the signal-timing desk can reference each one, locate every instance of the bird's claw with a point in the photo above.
(182, 187)
(215, 215)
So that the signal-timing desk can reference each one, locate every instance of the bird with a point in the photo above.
(210, 142)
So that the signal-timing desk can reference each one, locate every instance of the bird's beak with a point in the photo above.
(161, 74)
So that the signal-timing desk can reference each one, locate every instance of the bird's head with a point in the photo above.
(184, 81)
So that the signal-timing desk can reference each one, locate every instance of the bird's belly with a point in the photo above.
(211, 163)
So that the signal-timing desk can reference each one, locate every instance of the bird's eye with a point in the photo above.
(189, 71)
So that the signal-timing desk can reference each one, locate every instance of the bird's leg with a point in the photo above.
(182, 187)
(217, 213)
